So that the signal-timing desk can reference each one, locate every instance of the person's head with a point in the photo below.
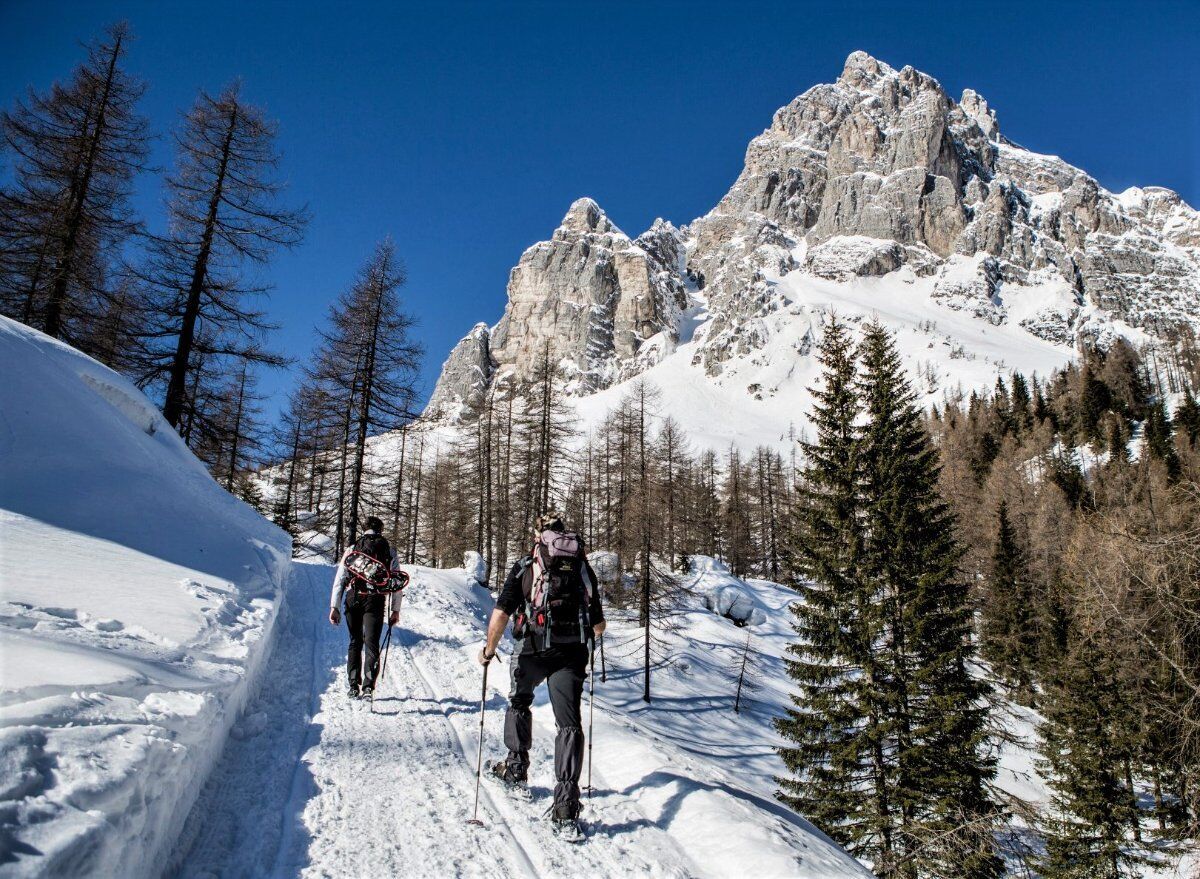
(550, 521)
(373, 523)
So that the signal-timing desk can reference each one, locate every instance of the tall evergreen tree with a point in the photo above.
(1159, 438)
(936, 715)
(1009, 635)
(1093, 813)
(834, 727)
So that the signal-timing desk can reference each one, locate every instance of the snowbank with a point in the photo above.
(137, 599)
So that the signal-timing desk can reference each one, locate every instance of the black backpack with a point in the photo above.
(556, 590)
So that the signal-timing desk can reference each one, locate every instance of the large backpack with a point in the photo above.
(557, 591)
(369, 566)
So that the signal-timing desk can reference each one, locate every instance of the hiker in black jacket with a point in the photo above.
(364, 611)
(552, 594)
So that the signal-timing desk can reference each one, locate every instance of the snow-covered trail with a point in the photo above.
(315, 785)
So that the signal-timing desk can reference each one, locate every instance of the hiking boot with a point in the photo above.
(367, 693)
(565, 812)
(513, 776)
(353, 692)
(567, 829)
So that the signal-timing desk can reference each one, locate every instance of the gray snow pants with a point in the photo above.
(564, 669)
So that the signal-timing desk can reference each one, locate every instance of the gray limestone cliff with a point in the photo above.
(878, 172)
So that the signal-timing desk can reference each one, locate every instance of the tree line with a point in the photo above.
(1076, 498)
(180, 310)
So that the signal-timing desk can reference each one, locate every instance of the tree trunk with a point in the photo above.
(237, 431)
(364, 411)
(76, 202)
(173, 405)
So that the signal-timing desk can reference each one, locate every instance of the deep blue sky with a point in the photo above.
(465, 130)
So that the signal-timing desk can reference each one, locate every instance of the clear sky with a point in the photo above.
(465, 130)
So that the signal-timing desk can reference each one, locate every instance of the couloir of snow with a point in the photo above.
(316, 785)
(136, 600)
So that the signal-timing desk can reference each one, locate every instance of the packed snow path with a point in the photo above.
(313, 784)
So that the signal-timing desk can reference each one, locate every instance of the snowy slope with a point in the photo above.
(314, 785)
(758, 399)
(136, 601)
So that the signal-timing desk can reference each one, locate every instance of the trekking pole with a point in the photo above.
(603, 670)
(387, 641)
(592, 708)
(479, 762)
(387, 644)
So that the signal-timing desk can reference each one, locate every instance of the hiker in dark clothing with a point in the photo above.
(364, 611)
(552, 594)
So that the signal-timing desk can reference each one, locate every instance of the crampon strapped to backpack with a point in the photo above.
(373, 576)
(557, 591)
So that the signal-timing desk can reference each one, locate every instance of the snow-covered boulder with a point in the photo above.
(137, 605)
(723, 593)
(476, 567)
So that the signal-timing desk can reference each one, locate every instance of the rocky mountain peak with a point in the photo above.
(585, 215)
(976, 108)
(877, 174)
(861, 70)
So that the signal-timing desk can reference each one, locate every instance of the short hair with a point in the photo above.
(373, 523)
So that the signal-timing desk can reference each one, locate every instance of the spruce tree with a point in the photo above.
(910, 562)
(1092, 813)
(1159, 440)
(1009, 634)
(833, 756)
(1187, 417)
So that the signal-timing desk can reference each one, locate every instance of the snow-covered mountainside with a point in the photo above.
(681, 789)
(136, 602)
(877, 193)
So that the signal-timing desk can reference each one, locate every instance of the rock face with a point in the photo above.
(465, 376)
(878, 172)
(590, 297)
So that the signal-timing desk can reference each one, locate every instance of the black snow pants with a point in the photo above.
(364, 617)
(564, 669)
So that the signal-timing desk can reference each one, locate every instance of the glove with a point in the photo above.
(484, 659)
(335, 616)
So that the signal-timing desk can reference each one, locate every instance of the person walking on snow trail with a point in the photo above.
(552, 597)
(365, 608)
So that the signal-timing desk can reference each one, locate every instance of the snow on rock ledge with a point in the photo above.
(137, 604)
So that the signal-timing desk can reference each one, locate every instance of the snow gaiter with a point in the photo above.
(568, 763)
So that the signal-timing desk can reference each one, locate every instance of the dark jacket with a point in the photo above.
(512, 595)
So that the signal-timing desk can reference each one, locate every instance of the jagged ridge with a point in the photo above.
(878, 172)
